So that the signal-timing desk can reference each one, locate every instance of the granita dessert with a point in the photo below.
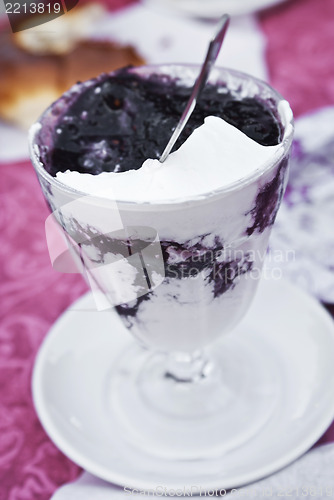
(205, 213)
(175, 247)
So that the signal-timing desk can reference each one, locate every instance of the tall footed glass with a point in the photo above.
(180, 274)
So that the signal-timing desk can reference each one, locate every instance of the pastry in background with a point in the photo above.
(36, 66)
(60, 35)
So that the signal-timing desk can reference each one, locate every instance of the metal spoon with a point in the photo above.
(210, 59)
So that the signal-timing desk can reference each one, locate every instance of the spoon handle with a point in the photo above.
(210, 59)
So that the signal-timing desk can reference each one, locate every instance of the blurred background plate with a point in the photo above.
(212, 8)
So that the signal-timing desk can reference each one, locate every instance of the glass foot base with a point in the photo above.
(226, 405)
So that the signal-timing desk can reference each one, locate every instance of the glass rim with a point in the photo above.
(287, 122)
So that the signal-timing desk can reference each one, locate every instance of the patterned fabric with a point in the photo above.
(32, 296)
(300, 38)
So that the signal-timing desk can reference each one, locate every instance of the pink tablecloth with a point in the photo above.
(32, 295)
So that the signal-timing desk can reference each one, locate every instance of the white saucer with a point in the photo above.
(212, 9)
(296, 332)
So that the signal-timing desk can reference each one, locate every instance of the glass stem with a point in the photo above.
(187, 367)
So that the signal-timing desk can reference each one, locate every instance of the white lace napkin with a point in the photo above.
(302, 241)
(162, 37)
(309, 477)
(13, 143)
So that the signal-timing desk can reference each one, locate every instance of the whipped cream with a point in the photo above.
(214, 156)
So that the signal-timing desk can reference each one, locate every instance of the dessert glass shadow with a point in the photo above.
(180, 274)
